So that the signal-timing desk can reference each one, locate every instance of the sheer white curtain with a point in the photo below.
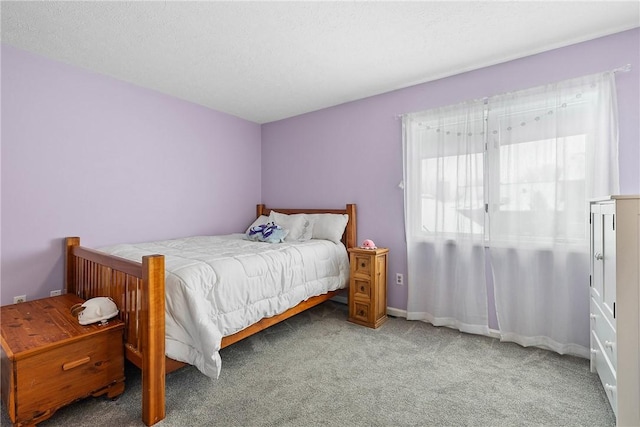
(513, 174)
(445, 218)
(550, 150)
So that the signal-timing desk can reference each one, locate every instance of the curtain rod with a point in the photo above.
(623, 69)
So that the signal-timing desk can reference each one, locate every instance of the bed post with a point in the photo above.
(259, 210)
(351, 238)
(70, 285)
(153, 331)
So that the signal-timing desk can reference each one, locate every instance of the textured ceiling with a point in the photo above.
(264, 61)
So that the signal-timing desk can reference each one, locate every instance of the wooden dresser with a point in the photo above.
(49, 360)
(615, 303)
(368, 286)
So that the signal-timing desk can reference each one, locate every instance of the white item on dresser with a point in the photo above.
(615, 302)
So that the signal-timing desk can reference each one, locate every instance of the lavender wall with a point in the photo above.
(169, 168)
(86, 155)
(353, 152)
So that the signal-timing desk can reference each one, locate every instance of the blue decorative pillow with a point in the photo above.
(269, 233)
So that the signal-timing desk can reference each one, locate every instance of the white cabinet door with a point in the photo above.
(597, 255)
(609, 265)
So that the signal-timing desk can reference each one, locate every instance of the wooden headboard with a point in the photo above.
(349, 238)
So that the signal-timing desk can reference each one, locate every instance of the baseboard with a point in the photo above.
(396, 312)
(342, 299)
(494, 333)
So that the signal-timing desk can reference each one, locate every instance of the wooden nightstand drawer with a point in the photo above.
(49, 360)
(362, 265)
(362, 289)
(361, 311)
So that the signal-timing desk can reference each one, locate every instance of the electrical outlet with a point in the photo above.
(399, 279)
(19, 299)
(55, 293)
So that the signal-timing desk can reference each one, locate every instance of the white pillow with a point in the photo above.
(329, 226)
(262, 219)
(300, 226)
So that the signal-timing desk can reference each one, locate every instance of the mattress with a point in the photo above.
(218, 285)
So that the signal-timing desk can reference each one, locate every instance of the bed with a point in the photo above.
(143, 290)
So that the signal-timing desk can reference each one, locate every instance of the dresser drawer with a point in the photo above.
(605, 332)
(606, 372)
(59, 376)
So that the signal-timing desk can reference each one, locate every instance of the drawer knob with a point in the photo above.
(610, 387)
(593, 316)
(361, 313)
(599, 256)
(594, 351)
(363, 265)
(609, 344)
(362, 288)
(70, 365)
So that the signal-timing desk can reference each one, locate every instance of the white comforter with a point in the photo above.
(219, 285)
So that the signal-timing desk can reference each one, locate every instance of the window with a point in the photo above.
(540, 192)
(447, 165)
(505, 169)
(510, 176)
(453, 194)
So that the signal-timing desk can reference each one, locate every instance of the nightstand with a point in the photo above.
(49, 360)
(368, 286)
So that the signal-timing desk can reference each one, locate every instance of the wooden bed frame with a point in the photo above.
(138, 290)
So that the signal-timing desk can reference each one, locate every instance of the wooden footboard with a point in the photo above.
(138, 290)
